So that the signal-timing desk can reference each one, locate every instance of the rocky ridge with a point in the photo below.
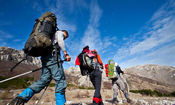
(163, 74)
(149, 76)
(12, 55)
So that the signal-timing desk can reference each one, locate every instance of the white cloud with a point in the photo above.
(162, 56)
(63, 7)
(166, 10)
(7, 39)
(3, 44)
(36, 5)
(92, 34)
(17, 40)
(160, 31)
(5, 35)
(62, 21)
(109, 41)
(165, 33)
(58, 7)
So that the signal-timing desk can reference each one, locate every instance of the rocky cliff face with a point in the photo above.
(12, 55)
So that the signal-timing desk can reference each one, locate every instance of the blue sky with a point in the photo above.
(132, 32)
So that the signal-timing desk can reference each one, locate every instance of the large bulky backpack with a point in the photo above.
(86, 63)
(40, 38)
(112, 73)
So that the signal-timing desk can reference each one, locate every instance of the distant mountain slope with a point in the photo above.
(5, 67)
(12, 55)
(162, 74)
(154, 77)
(149, 76)
(9, 57)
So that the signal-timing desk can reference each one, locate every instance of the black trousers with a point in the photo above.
(95, 77)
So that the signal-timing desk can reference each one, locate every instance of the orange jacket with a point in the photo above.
(99, 60)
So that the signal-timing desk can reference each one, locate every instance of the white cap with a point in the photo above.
(116, 64)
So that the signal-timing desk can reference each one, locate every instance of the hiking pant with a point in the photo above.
(48, 72)
(119, 83)
(95, 77)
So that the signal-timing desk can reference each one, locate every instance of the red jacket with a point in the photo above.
(77, 62)
(106, 68)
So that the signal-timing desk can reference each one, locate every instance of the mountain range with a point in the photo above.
(147, 76)
(80, 90)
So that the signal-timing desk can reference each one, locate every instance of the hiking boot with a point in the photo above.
(94, 104)
(115, 101)
(18, 101)
(129, 100)
(101, 103)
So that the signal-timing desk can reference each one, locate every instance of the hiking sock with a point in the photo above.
(60, 98)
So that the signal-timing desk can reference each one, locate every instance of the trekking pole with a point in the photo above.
(27, 72)
(37, 102)
(88, 80)
(17, 64)
(16, 76)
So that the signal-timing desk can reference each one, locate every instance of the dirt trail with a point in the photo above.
(84, 97)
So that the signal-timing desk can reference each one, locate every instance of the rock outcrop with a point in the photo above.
(12, 55)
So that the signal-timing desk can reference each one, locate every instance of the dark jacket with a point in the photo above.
(118, 69)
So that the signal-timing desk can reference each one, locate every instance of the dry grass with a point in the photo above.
(82, 94)
(5, 95)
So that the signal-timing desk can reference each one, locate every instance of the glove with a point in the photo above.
(67, 57)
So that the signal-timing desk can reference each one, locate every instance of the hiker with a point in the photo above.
(55, 71)
(113, 72)
(94, 72)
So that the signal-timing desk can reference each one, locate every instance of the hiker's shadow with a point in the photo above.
(79, 104)
(110, 101)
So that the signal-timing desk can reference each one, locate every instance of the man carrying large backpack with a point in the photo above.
(51, 68)
(113, 72)
(93, 60)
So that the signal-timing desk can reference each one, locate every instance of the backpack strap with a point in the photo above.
(11, 70)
